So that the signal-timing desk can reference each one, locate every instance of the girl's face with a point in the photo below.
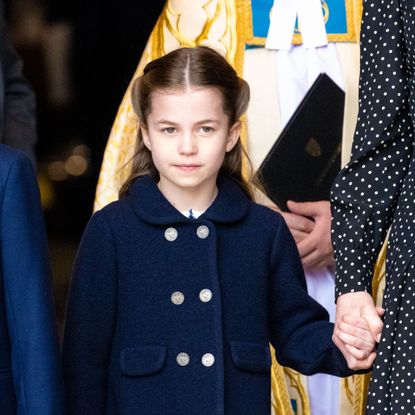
(188, 134)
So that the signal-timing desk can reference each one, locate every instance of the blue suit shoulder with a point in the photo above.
(9, 155)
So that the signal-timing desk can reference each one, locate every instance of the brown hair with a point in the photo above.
(183, 68)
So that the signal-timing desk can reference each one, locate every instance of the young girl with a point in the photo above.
(180, 286)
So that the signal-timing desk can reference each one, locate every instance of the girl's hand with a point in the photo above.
(355, 336)
(354, 333)
(360, 304)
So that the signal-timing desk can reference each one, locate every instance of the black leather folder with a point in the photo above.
(306, 157)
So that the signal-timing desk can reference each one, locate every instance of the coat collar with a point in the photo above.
(230, 205)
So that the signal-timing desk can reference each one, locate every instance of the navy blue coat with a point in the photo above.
(30, 368)
(132, 347)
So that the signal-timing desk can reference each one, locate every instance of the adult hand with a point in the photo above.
(356, 305)
(310, 224)
(300, 226)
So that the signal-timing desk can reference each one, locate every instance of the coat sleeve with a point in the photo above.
(90, 320)
(36, 364)
(19, 128)
(300, 330)
(365, 193)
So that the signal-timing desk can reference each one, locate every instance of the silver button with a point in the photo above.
(171, 234)
(202, 231)
(183, 359)
(177, 298)
(208, 360)
(205, 295)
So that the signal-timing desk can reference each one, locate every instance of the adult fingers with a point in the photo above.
(380, 311)
(311, 260)
(307, 247)
(317, 260)
(309, 209)
(298, 235)
(375, 323)
(298, 222)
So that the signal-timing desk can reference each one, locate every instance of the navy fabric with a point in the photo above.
(30, 367)
(123, 331)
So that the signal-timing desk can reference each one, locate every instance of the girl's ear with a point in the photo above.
(146, 138)
(233, 136)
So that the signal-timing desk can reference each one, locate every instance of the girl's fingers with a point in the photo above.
(360, 333)
(357, 353)
(354, 341)
(359, 364)
(357, 331)
(362, 322)
(356, 321)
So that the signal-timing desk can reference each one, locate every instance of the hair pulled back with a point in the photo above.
(181, 69)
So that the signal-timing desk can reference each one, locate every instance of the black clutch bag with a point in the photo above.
(306, 157)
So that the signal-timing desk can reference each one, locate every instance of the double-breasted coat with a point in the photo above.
(30, 365)
(376, 191)
(171, 315)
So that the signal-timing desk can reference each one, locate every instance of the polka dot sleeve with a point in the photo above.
(365, 193)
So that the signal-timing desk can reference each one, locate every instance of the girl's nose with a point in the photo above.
(187, 144)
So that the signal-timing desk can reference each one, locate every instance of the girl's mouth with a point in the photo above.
(187, 167)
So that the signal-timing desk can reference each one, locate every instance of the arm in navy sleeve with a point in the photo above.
(36, 364)
(300, 330)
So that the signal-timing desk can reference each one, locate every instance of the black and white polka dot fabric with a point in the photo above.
(377, 190)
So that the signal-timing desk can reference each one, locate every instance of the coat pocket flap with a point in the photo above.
(141, 361)
(252, 357)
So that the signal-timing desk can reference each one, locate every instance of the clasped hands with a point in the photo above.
(358, 324)
(358, 328)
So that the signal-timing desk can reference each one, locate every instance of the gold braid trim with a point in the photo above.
(347, 385)
(379, 273)
(281, 401)
(361, 388)
(359, 14)
(296, 382)
(353, 18)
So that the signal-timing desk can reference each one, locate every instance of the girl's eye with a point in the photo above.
(169, 130)
(205, 130)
